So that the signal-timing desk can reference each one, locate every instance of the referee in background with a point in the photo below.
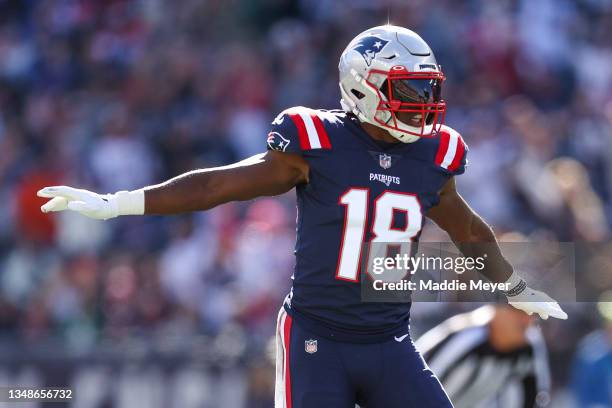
(491, 357)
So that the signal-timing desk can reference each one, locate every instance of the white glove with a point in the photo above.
(532, 301)
(92, 205)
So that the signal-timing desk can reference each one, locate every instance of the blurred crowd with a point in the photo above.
(111, 95)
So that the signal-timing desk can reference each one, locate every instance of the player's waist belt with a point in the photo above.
(349, 335)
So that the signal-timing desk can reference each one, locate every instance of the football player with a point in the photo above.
(370, 172)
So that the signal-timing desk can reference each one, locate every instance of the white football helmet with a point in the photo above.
(389, 77)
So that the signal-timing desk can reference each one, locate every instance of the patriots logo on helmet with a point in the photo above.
(369, 46)
(277, 142)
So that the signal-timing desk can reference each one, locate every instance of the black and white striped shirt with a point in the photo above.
(476, 375)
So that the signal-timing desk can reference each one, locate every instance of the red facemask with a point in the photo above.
(413, 99)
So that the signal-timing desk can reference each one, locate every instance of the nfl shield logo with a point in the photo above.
(310, 346)
(384, 160)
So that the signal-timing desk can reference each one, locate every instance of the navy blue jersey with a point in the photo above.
(359, 190)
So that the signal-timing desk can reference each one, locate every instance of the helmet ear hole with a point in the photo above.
(357, 94)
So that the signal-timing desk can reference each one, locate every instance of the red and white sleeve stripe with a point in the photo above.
(311, 131)
(451, 149)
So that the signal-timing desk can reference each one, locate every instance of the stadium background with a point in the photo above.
(179, 311)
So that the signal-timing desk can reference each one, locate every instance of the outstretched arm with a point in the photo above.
(475, 238)
(266, 174)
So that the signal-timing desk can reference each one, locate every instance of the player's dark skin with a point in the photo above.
(273, 173)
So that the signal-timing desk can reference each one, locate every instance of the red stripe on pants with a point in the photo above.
(287, 337)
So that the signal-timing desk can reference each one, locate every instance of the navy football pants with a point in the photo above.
(314, 372)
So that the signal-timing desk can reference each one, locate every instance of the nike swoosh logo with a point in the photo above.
(400, 339)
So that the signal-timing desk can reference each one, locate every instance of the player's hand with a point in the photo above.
(90, 204)
(87, 203)
(533, 301)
